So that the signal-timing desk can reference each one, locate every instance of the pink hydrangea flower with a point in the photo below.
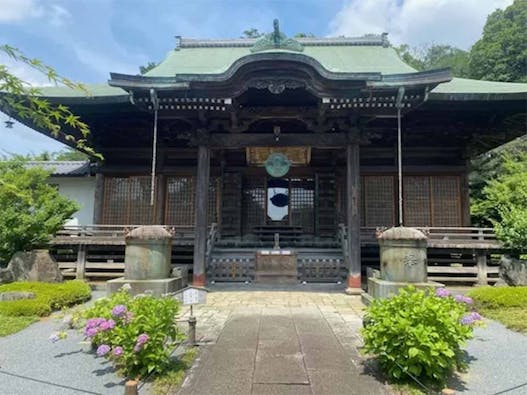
(118, 351)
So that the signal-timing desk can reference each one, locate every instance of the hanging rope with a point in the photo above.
(155, 104)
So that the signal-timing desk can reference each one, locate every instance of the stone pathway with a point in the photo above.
(300, 341)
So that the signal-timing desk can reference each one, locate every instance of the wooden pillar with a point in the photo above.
(81, 262)
(98, 198)
(353, 255)
(200, 231)
(481, 262)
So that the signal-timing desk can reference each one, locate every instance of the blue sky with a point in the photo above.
(86, 39)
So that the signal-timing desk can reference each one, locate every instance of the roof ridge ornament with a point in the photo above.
(277, 40)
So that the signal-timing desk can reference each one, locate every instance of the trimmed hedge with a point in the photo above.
(497, 297)
(48, 297)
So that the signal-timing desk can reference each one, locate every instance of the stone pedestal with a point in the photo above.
(403, 262)
(276, 267)
(147, 263)
(158, 287)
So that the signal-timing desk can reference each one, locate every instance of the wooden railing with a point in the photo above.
(456, 254)
(446, 237)
(112, 234)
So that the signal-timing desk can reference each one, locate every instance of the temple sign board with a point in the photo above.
(192, 295)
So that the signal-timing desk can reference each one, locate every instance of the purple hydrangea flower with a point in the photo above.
(118, 351)
(442, 292)
(463, 299)
(90, 332)
(475, 316)
(142, 338)
(119, 310)
(470, 318)
(54, 338)
(103, 349)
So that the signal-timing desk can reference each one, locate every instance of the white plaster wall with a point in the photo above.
(82, 191)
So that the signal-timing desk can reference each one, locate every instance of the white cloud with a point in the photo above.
(417, 22)
(18, 10)
(24, 72)
(14, 11)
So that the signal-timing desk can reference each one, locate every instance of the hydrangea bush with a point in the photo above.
(419, 333)
(136, 333)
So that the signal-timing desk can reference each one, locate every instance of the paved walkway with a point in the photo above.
(300, 341)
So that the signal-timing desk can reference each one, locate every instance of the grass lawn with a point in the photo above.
(16, 315)
(170, 381)
(507, 305)
(10, 325)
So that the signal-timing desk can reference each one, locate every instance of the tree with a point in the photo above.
(25, 101)
(436, 56)
(32, 210)
(505, 203)
(304, 35)
(252, 33)
(147, 68)
(501, 53)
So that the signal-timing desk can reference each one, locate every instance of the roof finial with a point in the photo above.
(276, 33)
(276, 39)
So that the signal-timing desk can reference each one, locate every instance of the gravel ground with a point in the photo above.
(31, 364)
(498, 362)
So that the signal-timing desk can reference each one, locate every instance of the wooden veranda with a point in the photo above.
(457, 255)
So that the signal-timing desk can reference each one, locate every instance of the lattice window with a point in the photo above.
(180, 200)
(378, 201)
(446, 203)
(126, 201)
(302, 203)
(180, 192)
(253, 200)
(417, 204)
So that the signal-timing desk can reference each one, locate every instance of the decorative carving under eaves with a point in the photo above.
(276, 40)
(276, 86)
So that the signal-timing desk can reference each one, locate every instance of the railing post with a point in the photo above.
(481, 262)
(81, 262)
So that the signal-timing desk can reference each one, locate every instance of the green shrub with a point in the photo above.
(10, 325)
(418, 333)
(496, 297)
(48, 297)
(136, 333)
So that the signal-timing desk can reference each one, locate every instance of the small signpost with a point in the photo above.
(190, 296)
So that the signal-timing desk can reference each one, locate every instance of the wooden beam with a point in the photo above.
(242, 140)
(353, 256)
(202, 199)
(481, 262)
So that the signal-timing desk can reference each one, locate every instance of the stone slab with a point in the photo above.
(281, 389)
(272, 368)
(158, 287)
(340, 382)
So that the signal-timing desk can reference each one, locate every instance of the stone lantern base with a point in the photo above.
(379, 288)
(158, 287)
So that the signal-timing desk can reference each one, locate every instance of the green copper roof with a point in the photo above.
(339, 55)
(94, 90)
(339, 59)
